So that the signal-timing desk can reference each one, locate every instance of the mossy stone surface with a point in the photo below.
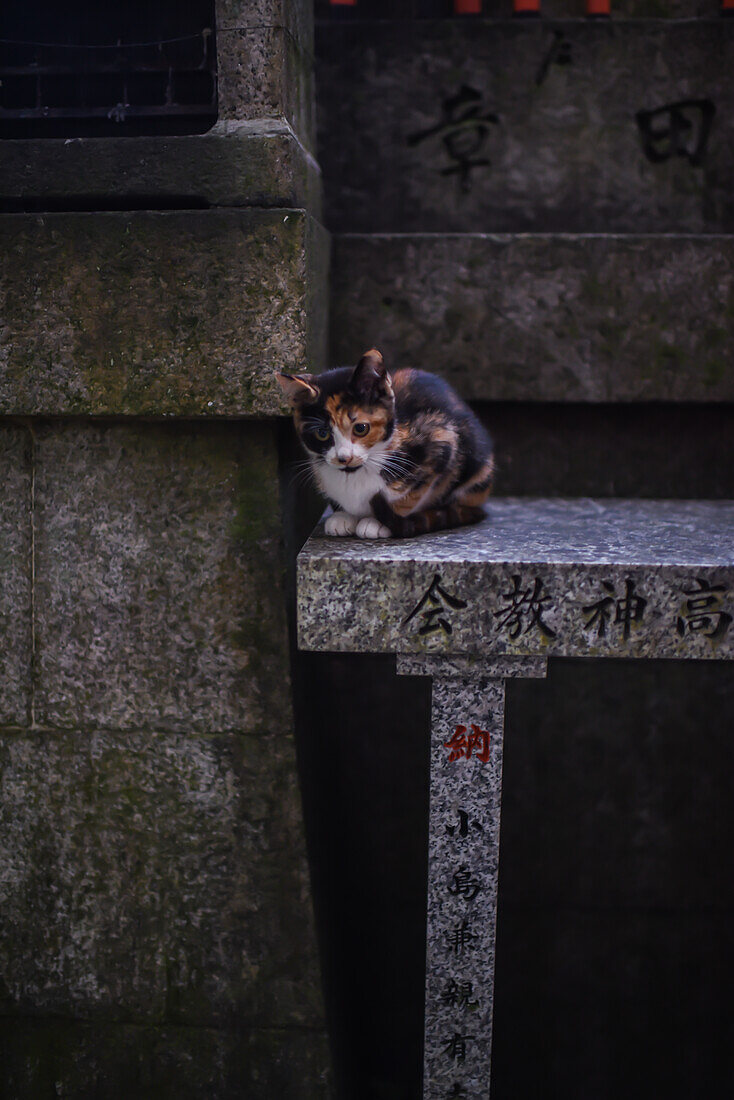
(262, 73)
(525, 126)
(15, 574)
(155, 878)
(259, 162)
(296, 16)
(185, 314)
(87, 1060)
(160, 578)
(543, 317)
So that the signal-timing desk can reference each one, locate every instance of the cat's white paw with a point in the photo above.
(370, 528)
(341, 523)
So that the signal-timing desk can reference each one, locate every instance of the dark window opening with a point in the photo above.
(78, 68)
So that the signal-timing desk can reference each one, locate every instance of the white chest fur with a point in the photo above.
(352, 492)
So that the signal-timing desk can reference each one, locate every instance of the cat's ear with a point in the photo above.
(370, 379)
(297, 387)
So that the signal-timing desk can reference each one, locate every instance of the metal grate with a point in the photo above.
(58, 89)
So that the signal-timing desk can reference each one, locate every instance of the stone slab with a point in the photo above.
(537, 577)
(185, 313)
(549, 317)
(245, 163)
(566, 152)
(472, 667)
(155, 878)
(51, 1057)
(159, 578)
(16, 571)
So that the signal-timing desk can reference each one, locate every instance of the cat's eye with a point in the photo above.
(361, 428)
(322, 434)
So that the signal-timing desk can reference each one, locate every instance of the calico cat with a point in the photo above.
(398, 454)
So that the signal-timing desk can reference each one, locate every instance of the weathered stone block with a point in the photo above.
(158, 313)
(155, 878)
(484, 129)
(159, 578)
(295, 15)
(547, 317)
(60, 1058)
(255, 163)
(16, 570)
(263, 74)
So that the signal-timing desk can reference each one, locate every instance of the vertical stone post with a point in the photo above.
(467, 723)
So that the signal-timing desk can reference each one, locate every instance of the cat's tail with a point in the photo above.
(431, 519)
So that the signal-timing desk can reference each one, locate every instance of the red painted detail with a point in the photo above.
(467, 7)
(461, 746)
(522, 7)
(343, 3)
(598, 7)
(727, 5)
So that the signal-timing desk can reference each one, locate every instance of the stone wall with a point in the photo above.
(157, 935)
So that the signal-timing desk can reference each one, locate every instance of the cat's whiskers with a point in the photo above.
(303, 472)
(397, 466)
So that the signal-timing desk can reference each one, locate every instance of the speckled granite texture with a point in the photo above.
(466, 786)
(254, 162)
(559, 149)
(136, 874)
(547, 316)
(158, 313)
(537, 577)
(15, 575)
(159, 587)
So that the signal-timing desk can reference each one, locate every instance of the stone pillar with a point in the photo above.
(467, 723)
(157, 933)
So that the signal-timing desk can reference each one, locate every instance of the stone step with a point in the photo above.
(247, 163)
(521, 126)
(537, 578)
(183, 313)
(543, 317)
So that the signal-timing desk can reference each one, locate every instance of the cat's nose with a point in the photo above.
(344, 457)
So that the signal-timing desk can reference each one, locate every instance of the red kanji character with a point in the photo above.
(479, 740)
(457, 745)
(461, 747)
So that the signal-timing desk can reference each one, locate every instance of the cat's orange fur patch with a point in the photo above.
(477, 489)
(344, 416)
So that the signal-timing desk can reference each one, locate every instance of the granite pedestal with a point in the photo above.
(472, 607)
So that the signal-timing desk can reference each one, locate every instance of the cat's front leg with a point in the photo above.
(341, 523)
(387, 517)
